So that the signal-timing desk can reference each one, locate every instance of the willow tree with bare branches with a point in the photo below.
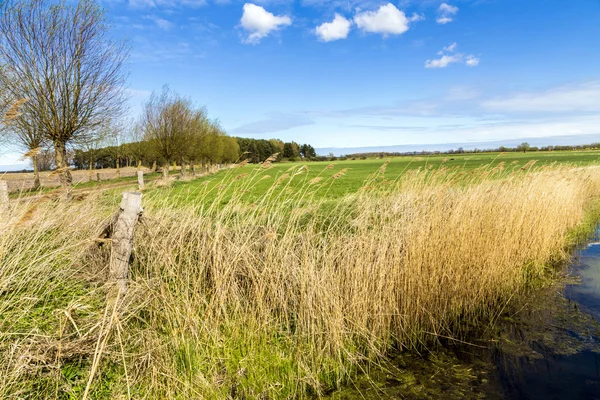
(59, 56)
(165, 123)
(22, 136)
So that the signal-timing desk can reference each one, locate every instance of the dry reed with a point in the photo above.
(287, 295)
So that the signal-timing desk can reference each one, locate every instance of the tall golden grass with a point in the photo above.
(282, 298)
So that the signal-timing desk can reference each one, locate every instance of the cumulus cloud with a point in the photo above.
(387, 20)
(450, 56)
(472, 61)
(259, 23)
(446, 13)
(443, 61)
(450, 48)
(334, 30)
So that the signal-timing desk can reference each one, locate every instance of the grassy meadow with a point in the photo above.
(280, 281)
(357, 172)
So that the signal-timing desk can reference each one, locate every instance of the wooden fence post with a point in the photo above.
(140, 175)
(3, 195)
(97, 176)
(122, 239)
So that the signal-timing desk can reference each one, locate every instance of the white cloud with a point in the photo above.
(451, 58)
(447, 9)
(334, 30)
(260, 23)
(451, 47)
(387, 20)
(446, 13)
(472, 61)
(580, 98)
(443, 62)
(163, 24)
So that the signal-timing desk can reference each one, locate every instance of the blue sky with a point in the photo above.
(345, 73)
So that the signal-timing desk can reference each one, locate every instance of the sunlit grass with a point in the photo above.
(271, 282)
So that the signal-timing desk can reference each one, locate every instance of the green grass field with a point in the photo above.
(356, 172)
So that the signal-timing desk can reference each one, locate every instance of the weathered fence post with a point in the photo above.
(122, 239)
(3, 195)
(140, 175)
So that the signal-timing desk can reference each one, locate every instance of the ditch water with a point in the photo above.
(549, 350)
(560, 358)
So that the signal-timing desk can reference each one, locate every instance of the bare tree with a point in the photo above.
(138, 148)
(112, 135)
(165, 122)
(24, 137)
(60, 57)
(91, 145)
(45, 159)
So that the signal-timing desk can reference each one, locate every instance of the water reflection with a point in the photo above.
(587, 293)
(558, 351)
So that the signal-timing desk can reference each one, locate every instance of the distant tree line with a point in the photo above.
(209, 147)
(258, 150)
(523, 147)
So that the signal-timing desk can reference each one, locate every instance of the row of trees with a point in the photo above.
(258, 150)
(523, 147)
(174, 130)
(170, 130)
(201, 144)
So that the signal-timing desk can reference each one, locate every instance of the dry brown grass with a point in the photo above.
(285, 296)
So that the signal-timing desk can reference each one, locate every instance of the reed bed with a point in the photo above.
(284, 297)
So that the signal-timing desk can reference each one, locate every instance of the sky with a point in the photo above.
(355, 73)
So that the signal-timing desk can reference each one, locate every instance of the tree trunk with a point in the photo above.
(62, 168)
(91, 171)
(118, 168)
(139, 167)
(153, 166)
(193, 166)
(36, 173)
(204, 171)
(166, 171)
(3, 196)
(183, 168)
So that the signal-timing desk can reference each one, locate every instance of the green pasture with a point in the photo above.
(340, 177)
(253, 180)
